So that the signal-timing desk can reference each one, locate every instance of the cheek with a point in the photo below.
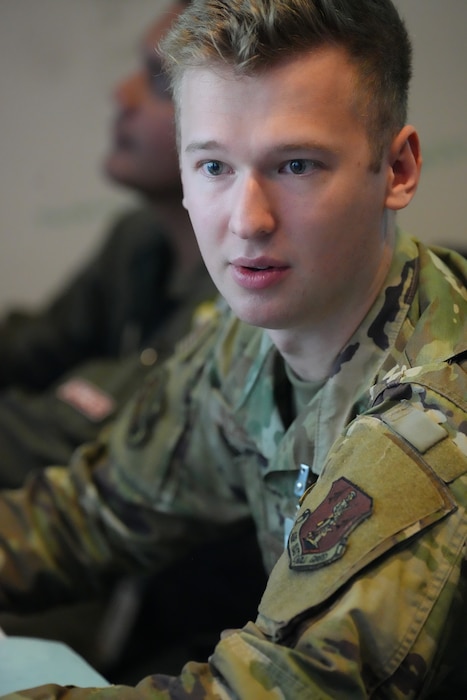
(207, 230)
(203, 213)
(196, 212)
(208, 252)
(329, 237)
(189, 202)
(187, 184)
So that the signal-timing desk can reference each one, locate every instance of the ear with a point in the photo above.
(404, 166)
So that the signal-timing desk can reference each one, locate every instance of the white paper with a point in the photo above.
(26, 663)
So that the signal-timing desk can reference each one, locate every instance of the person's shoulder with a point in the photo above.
(445, 267)
(135, 228)
(217, 327)
(438, 309)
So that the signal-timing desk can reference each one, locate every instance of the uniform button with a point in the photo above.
(148, 357)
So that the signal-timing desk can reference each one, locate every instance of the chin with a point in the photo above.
(257, 315)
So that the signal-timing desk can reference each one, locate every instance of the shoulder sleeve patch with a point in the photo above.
(375, 493)
(319, 537)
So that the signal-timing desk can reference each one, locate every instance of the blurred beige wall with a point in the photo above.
(58, 62)
(439, 110)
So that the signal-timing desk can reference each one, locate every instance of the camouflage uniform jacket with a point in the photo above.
(72, 366)
(367, 600)
(109, 307)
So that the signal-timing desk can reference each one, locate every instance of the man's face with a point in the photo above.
(143, 152)
(277, 181)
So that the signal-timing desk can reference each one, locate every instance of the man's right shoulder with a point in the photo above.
(221, 334)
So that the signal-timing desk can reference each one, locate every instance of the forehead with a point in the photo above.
(323, 67)
(311, 87)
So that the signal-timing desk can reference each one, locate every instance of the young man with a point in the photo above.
(333, 412)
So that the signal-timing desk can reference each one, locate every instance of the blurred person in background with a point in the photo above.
(66, 371)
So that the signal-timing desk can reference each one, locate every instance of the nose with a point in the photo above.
(129, 92)
(252, 212)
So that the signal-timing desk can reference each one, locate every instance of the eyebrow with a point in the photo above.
(202, 146)
(286, 147)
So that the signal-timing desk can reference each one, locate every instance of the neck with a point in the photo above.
(309, 354)
(311, 351)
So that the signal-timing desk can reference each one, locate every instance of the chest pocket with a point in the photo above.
(376, 491)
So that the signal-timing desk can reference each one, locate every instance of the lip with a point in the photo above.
(258, 273)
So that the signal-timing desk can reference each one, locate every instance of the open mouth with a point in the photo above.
(257, 276)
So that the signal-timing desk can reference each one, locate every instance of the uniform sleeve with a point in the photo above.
(369, 598)
(38, 429)
(119, 293)
(142, 496)
(377, 638)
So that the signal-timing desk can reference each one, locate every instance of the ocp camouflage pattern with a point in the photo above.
(211, 441)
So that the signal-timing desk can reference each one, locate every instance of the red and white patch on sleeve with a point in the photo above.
(319, 537)
(86, 398)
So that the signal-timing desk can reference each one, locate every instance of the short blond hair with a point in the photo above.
(250, 35)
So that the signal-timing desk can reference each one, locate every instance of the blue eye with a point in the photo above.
(298, 166)
(213, 167)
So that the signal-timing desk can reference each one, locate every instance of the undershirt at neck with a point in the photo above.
(303, 391)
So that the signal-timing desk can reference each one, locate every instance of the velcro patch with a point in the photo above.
(320, 537)
(86, 398)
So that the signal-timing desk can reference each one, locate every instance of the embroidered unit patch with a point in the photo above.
(319, 537)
